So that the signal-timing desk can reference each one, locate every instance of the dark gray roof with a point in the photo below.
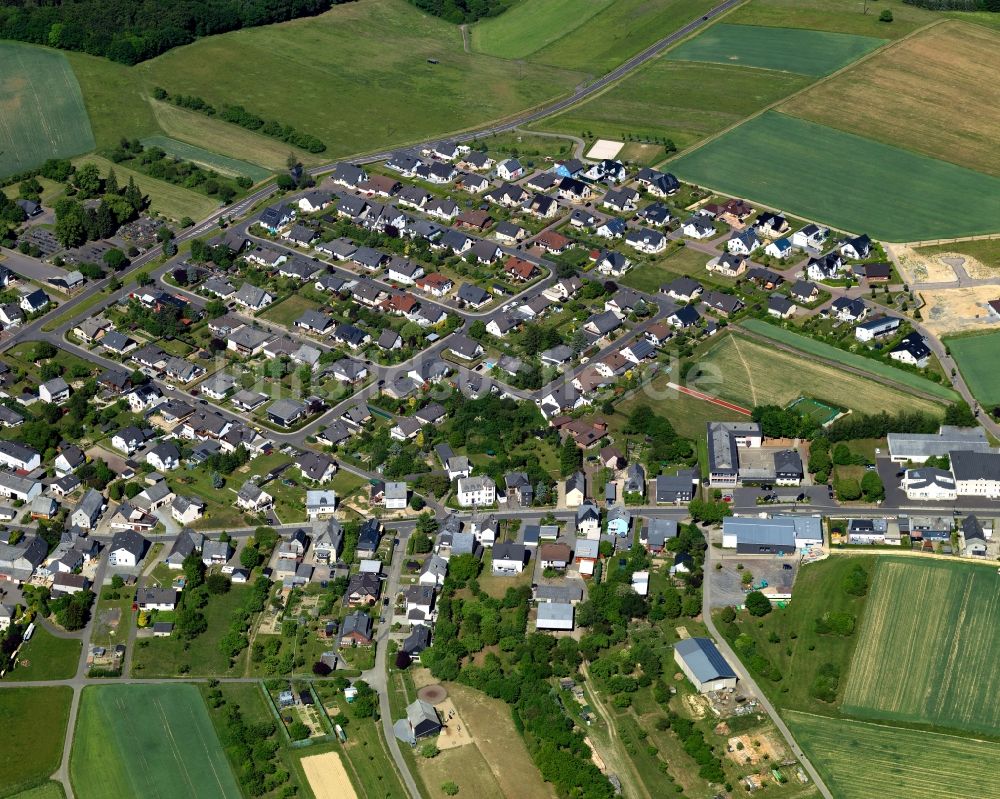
(704, 659)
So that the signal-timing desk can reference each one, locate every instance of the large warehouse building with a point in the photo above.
(778, 535)
(704, 665)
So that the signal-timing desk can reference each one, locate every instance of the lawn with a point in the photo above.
(858, 760)
(976, 359)
(289, 309)
(829, 352)
(805, 52)
(170, 657)
(649, 276)
(951, 656)
(148, 740)
(934, 92)
(220, 163)
(531, 25)
(33, 721)
(323, 75)
(750, 372)
(621, 30)
(683, 101)
(41, 109)
(49, 657)
(742, 163)
(818, 589)
(175, 202)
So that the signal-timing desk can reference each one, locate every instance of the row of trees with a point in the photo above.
(459, 11)
(130, 32)
(238, 115)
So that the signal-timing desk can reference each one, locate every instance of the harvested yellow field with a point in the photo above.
(934, 93)
(328, 777)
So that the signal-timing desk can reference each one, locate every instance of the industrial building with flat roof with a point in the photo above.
(779, 535)
(704, 665)
(918, 447)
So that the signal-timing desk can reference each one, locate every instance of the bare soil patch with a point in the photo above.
(959, 310)
(455, 732)
(327, 777)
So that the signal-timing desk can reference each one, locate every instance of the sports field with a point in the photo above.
(806, 52)
(681, 100)
(976, 359)
(939, 668)
(751, 373)
(41, 109)
(531, 25)
(198, 155)
(829, 352)
(888, 192)
(814, 409)
(859, 760)
(935, 94)
(148, 740)
(32, 730)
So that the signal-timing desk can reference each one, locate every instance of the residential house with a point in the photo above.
(476, 491)
(127, 548)
(508, 559)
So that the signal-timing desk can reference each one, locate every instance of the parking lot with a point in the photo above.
(727, 588)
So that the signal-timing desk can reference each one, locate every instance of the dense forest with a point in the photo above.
(459, 11)
(130, 32)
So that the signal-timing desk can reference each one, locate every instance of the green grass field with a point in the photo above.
(818, 589)
(784, 162)
(683, 101)
(325, 75)
(47, 790)
(531, 25)
(976, 358)
(172, 201)
(858, 760)
(148, 740)
(805, 52)
(32, 730)
(750, 372)
(937, 668)
(220, 163)
(42, 114)
(650, 276)
(829, 352)
(687, 414)
(166, 657)
(48, 657)
(621, 30)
